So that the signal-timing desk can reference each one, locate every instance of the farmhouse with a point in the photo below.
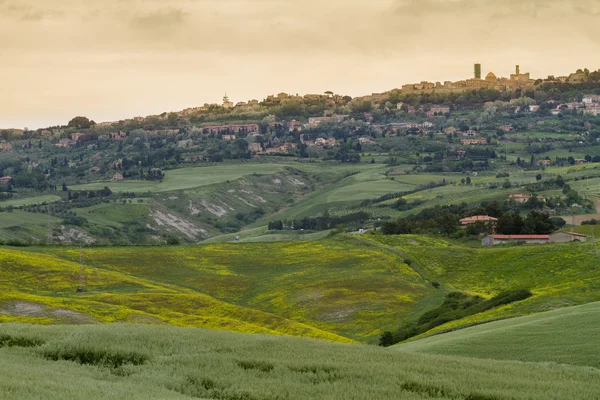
(563, 237)
(479, 218)
(5, 179)
(492, 240)
(117, 177)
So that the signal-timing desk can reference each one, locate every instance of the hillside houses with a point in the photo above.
(65, 143)
(478, 141)
(523, 198)
(6, 147)
(255, 147)
(485, 219)
(438, 111)
(325, 142)
(590, 99)
(451, 130)
(234, 128)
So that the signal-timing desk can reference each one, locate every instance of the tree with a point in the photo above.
(81, 123)
(387, 339)
(538, 177)
(64, 187)
(468, 180)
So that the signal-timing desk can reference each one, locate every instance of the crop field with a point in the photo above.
(145, 362)
(565, 336)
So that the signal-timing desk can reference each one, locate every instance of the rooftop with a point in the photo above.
(520, 236)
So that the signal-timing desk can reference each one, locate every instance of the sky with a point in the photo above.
(115, 59)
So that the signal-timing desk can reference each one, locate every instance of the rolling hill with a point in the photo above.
(341, 288)
(565, 336)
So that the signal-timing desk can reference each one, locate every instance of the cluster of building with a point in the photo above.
(589, 105)
(491, 81)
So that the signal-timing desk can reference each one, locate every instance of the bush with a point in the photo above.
(456, 306)
(173, 241)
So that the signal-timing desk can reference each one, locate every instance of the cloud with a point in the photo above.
(27, 12)
(162, 20)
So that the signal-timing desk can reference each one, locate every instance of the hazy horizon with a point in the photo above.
(116, 59)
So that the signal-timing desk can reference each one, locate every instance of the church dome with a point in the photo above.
(491, 75)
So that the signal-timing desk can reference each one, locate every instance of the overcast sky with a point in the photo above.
(113, 59)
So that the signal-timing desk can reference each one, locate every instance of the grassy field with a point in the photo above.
(143, 362)
(565, 336)
(186, 178)
(27, 201)
(19, 224)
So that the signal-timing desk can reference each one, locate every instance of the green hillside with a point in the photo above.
(144, 362)
(565, 336)
(342, 288)
(335, 289)
(559, 275)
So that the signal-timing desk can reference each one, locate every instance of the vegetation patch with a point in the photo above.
(97, 357)
(318, 373)
(438, 392)
(256, 365)
(19, 341)
(456, 306)
(205, 388)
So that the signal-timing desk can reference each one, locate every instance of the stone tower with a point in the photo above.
(518, 70)
(477, 71)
